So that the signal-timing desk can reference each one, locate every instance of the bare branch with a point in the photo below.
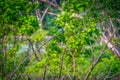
(36, 56)
(44, 13)
(51, 3)
(49, 13)
(113, 48)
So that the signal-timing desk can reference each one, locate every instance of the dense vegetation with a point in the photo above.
(59, 39)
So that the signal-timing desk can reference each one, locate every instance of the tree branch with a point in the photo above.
(44, 13)
(98, 59)
(36, 56)
(49, 13)
(61, 64)
(45, 66)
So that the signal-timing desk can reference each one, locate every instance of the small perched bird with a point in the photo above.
(60, 29)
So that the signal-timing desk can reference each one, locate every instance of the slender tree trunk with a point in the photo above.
(38, 16)
(74, 63)
(61, 66)
(4, 57)
(45, 68)
(34, 51)
(15, 46)
(73, 58)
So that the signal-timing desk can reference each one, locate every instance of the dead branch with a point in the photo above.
(110, 45)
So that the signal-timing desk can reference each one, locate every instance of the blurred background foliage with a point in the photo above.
(56, 39)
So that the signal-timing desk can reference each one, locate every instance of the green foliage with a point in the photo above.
(28, 24)
(73, 44)
(39, 35)
(107, 65)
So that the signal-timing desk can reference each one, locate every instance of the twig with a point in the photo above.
(67, 73)
(92, 51)
(108, 73)
(73, 62)
(37, 58)
(109, 77)
(98, 59)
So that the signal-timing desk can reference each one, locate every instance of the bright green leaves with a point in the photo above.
(106, 65)
(71, 37)
(28, 24)
(10, 10)
(77, 31)
(53, 47)
(62, 18)
(73, 42)
(76, 5)
(39, 35)
(31, 6)
(15, 19)
(54, 63)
